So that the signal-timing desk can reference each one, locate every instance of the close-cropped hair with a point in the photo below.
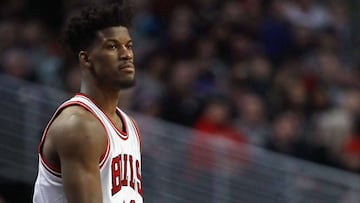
(81, 29)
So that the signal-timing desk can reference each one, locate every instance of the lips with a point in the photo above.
(127, 66)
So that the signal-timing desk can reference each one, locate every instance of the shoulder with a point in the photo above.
(75, 119)
(76, 128)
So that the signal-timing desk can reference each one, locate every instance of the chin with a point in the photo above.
(126, 84)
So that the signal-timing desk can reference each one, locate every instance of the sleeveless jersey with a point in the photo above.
(120, 164)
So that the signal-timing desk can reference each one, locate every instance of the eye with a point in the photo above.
(129, 46)
(112, 46)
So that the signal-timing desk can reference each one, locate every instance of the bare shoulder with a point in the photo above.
(76, 129)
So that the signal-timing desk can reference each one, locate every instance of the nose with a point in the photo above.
(125, 53)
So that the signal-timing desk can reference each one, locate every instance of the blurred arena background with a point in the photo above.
(253, 101)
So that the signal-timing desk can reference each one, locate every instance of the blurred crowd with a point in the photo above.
(279, 74)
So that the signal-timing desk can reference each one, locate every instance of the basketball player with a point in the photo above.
(90, 149)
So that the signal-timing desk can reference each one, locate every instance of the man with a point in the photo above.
(90, 149)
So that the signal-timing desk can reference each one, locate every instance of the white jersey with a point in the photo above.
(120, 165)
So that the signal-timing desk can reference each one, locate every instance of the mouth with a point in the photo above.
(128, 67)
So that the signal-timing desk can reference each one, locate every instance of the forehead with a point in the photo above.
(119, 33)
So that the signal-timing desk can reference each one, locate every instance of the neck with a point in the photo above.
(106, 98)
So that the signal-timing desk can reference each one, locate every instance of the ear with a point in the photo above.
(84, 59)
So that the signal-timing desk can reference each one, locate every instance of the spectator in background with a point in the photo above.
(350, 156)
(180, 104)
(180, 36)
(216, 119)
(215, 148)
(259, 72)
(275, 32)
(211, 72)
(286, 136)
(16, 63)
(287, 92)
(150, 87)
(331, 128)
(252, 119)
(45, 54)
(8, 30)
(72, 78)
(340, 21)
(307, 13)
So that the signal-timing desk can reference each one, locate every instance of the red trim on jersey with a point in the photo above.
(105, 155)
(48, 125)
(55, 170)
(50, 170)
(137, 131)
(47, 164)
(122, 134)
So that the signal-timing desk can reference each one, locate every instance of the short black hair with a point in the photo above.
(81, 30)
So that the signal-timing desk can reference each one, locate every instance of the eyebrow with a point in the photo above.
(116, 41)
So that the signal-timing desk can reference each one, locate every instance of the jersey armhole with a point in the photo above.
(56, 170)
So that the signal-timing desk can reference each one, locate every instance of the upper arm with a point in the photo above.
(79, 142)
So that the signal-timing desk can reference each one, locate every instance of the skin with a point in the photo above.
(76, 139)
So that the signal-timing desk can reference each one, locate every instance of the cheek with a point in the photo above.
(104, 62)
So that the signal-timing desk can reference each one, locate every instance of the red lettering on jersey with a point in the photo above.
(119, 169)
(124, 182)
(138, 175)
(116, 175)
(132, 181)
